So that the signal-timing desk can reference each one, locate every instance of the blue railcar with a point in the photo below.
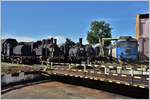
(127, 49)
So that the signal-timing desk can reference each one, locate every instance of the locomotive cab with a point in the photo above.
(127, 49)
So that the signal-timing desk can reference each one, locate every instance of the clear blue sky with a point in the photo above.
(36, 20)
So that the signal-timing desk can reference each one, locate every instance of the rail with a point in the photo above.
(137, 77)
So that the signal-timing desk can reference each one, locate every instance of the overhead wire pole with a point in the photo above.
(52, 53)
(47, 62)
(106, 39)
(102, 43)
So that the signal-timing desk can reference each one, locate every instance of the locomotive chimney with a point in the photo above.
(43, 41)
(49, 41)
(55, 41)
(52, 40)
(80, 40)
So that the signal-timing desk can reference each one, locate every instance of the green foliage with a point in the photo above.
(99, 29)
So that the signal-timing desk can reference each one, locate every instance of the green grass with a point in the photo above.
(4, 64)
(5, 67)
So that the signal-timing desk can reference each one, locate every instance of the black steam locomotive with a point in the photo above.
(80, 52)
(45, 50)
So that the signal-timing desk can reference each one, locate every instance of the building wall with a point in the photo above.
(144, 47)
(142, 35)
(144, 26)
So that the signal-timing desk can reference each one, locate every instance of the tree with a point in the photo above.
(99, 30)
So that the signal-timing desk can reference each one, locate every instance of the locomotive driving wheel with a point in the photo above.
(19, 60)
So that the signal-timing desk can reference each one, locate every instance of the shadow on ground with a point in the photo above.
(129, 91)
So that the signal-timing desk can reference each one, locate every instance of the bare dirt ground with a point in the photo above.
(58, 90)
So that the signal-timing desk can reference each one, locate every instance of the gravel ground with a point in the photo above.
(58, 90)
